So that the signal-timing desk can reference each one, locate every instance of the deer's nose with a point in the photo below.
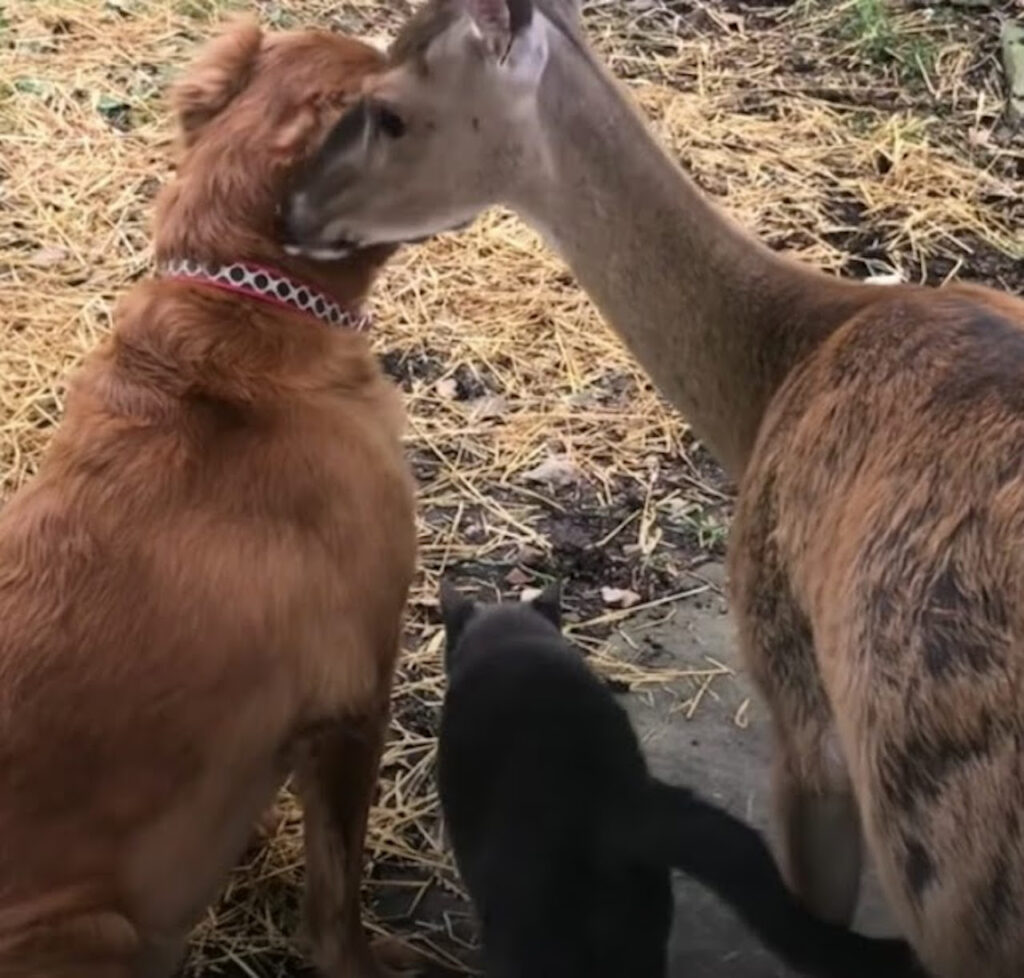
(303, 232)
(298, 221)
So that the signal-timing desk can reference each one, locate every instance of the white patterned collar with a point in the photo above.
(268, 285)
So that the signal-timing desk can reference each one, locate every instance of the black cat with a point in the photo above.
(563, 838)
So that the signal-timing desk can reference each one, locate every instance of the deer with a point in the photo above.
(875, 560)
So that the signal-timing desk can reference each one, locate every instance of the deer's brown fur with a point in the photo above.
(201, 591)
(877, 568)
(877, 434)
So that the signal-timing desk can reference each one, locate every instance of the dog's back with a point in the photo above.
(166, 587)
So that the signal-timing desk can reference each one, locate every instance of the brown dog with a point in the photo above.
(202, 589)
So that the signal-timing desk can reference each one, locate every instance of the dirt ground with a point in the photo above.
(865, 136)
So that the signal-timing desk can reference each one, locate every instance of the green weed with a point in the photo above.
(871, 26)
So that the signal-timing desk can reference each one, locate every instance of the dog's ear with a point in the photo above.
(295, 131)
(221, 70)
(455, 613)
(549, 603)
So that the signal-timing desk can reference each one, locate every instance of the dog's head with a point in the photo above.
(252, 109)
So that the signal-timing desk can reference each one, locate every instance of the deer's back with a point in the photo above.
(886, 496)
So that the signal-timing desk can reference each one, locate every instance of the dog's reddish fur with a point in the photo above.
(878, 577)
(202, 589)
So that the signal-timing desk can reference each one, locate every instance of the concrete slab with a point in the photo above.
(723, 751)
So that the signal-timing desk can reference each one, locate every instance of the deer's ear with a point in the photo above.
(525, 56)
(219, 73)
(499, 22)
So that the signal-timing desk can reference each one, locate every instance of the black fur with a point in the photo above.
(564, 840)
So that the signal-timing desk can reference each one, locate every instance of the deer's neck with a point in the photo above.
(715, 318)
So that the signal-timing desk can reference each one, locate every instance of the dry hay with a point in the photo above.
(859, 150)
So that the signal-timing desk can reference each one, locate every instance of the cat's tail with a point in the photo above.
(732, 860)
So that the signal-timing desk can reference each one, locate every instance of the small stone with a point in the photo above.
(619, 597)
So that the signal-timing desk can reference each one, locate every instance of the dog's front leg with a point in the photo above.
(336, 775)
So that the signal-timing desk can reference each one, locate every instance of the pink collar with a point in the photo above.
(267, 285)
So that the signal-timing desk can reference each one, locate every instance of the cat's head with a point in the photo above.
(459, 613)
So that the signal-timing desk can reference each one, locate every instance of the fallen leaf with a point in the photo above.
(30, 86)
(529, 555)
(380, 41)
(447, 388)
(483, 408)
(116, 111)
(556, 470)
(47, 257)
(583, 399)
(620, 597)
(979, 137)
(884, 278)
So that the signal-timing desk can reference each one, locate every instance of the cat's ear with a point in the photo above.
(549, 603)
(456, 611)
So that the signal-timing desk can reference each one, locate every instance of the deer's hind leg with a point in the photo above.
(819, 826)
(820, 847)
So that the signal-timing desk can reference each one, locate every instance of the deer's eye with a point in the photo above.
(389, 121)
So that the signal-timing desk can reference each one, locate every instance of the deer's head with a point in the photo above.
(445, 131)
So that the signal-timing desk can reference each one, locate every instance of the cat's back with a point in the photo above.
(536, 711)
(541, 777)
